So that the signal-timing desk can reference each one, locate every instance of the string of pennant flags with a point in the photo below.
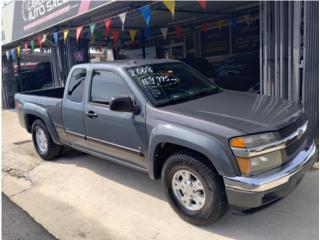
(145, 11)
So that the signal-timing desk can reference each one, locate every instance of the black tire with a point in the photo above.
(53, 150)
(216, 203)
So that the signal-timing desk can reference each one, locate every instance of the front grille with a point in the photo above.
(294, 147)
(287, 131)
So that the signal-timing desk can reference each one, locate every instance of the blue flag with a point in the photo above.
(146, 13)
(13, 53)
(55, 36)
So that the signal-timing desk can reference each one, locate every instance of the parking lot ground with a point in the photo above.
(84, 197)
(17, 224)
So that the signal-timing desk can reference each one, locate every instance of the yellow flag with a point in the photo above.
(65, 34)
(133, 33)
(170, 5)
(19, 50)
(220, 24)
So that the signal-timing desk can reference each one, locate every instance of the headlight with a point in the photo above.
(251, 154)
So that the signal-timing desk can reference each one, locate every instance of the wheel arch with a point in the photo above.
(32, 112)
(166, 140)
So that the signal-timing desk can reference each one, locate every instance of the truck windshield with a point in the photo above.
(168, 83)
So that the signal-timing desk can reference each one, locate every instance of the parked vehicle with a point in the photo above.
(212, 148)
(239, 72)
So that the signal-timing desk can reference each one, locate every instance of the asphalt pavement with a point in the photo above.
(18, 225)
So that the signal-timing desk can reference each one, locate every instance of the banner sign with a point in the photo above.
(215, 42)
(6, 23)
(31, 16)
(246, 37)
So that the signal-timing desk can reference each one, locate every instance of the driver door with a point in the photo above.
(112, 134)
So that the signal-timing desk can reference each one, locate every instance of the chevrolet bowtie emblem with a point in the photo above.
(302, 130)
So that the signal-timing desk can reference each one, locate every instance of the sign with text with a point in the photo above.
(32, 16)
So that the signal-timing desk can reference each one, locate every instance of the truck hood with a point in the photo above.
(246, 112)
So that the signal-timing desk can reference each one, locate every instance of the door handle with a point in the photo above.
(91, 114)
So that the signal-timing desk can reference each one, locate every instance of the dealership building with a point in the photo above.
(270, 48)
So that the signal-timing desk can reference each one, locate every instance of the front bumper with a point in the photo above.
(256, 191)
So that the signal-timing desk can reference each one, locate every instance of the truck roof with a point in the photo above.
(128, 63)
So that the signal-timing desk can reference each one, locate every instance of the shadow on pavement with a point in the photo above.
(295, 217)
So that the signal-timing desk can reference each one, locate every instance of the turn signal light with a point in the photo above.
(238, 142)
(244, 165)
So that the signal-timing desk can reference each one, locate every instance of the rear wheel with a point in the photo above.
(43, 143)
(194, 190)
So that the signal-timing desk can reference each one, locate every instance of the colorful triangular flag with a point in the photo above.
(19, 51)
(26, 46)
(146, 13)
(203, 4)
(55, 37)
(220, 24)
(44, 38)
(164, 32)
(39, 39)
(170, 4)
(65, 34)
(92, 27)
(132, 33)
(13, 53)
(108, 25)
(8, 55)
(78, 32)
(32, 45)
(122, 19)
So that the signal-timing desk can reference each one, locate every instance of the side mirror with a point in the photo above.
(123, 104)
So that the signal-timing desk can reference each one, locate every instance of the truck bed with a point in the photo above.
(49, 92)
(49, 99)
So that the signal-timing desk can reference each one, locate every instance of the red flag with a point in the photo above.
(115, 36)
(203, 4)
(39, 39)
(78, 32)
(205, 26)
(108, 25)
(178, 31)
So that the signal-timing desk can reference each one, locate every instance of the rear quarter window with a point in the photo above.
(76, 85)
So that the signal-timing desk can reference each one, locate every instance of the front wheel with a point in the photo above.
(43, 143)
(194, 190)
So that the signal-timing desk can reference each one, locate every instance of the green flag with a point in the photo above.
(32, 45)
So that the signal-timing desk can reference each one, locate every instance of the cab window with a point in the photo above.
(105, 85)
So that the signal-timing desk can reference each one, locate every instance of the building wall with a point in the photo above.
(289, 60)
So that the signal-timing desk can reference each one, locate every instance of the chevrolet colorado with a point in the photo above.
(212, 148)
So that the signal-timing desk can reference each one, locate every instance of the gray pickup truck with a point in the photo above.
(212, 148)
